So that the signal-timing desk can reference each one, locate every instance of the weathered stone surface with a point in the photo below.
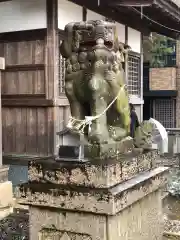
(102, 201)
(3, 173)
(6, 196)
(96, 152)
(140, 221)
(62, 235)
(102, 175)
(6, 193)
(76, 225)
(6, 199)
(118, 200)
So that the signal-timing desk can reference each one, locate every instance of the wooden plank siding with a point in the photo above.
(25, 63)
(30, 130)
(25, 128)
(32, 108)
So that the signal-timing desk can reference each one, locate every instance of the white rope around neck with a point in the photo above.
(81, 124)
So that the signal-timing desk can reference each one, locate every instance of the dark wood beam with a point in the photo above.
(23, 96)
(24, 67)
(27, 35)
(33, 101)
(157, 19)
(121, 2)
(27, 102)
(151, 13)
(130, 2)
(84, 13)
(168, 8)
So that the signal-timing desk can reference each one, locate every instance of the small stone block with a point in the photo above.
(5, 212)
(3, 173)
(6, 194)
(2, 63)
(110, 150)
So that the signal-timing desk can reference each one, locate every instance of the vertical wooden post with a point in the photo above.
(52, 49)
(84, 13)
(52, 65)
(2, 67)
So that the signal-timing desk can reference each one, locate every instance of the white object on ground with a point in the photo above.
(163, 137)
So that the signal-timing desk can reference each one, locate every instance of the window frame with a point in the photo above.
(131, 91)
(61, 82)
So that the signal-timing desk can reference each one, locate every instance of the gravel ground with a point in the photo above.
(15, 226)
(172, 226)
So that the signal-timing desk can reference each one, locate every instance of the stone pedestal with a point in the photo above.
(6, 193)
(72, 200)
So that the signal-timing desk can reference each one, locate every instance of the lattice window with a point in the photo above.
(61, 80)
(164, 110)
(134, 74)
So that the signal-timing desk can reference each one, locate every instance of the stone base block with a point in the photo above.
(140, 221)
(6, 212)
(100, 152)
(129, 210)
(113, 200)
(104, 174)
(6, 194)
(100, 201)
(3, 173)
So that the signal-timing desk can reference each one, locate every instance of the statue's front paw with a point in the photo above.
(95, 137)
(117, 133)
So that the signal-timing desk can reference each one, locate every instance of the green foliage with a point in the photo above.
(155, 48)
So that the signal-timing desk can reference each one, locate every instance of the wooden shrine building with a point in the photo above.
(34, 105)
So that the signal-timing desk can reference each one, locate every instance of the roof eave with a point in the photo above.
(162, 13)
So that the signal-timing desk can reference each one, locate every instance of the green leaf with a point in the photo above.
(156, 48)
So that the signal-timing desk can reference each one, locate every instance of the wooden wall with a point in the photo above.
(25, 63)
(30, 118)
(33, 108)
(27, 130)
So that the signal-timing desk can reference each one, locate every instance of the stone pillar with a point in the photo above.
(71, 200)
(6, 193)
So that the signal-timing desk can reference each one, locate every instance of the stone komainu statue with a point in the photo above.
(94, 79)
